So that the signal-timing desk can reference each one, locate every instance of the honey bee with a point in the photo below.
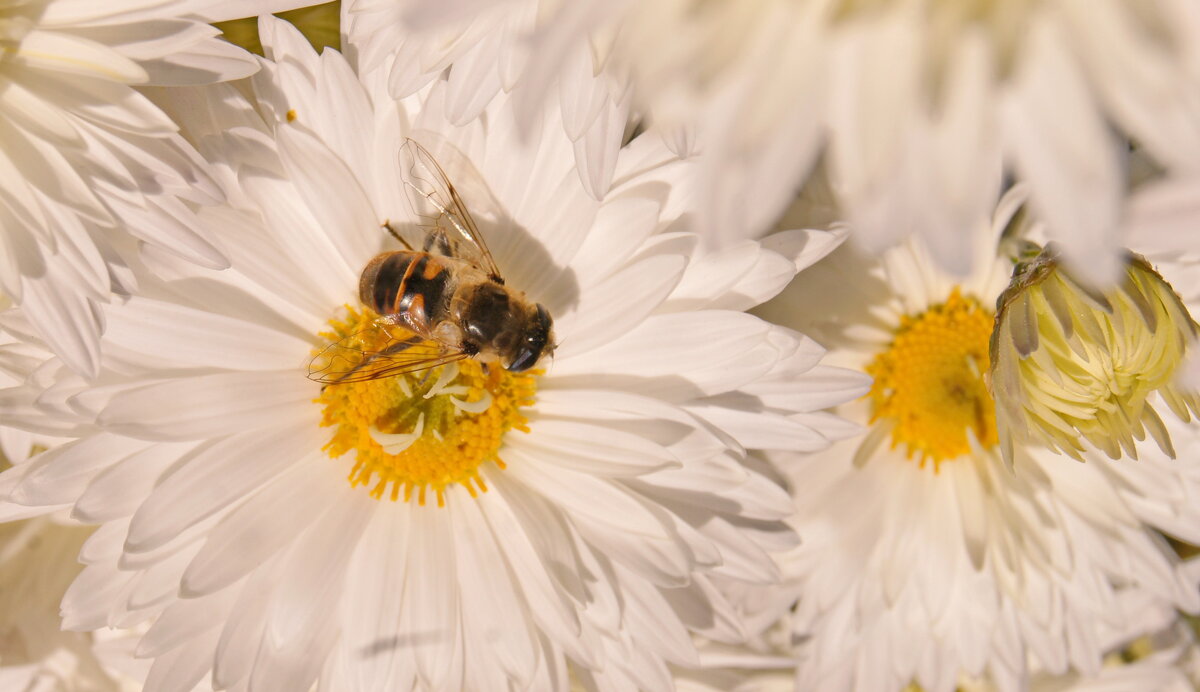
(440, 304)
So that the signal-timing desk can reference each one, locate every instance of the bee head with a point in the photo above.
(537, 338)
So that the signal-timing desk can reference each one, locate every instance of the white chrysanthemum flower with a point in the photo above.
(281, 532)
(84, 157)
(1153, 656)
(919, 101)
(37, 563)
(924, 556)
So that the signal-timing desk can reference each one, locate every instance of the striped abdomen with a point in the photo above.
(413, 284)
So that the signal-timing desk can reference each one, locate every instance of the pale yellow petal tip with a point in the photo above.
(1071, 363)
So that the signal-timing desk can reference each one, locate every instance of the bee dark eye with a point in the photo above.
(534, 342)
(525, 359)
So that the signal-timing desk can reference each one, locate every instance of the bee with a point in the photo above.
(440, 304)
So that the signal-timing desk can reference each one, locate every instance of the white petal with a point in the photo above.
(598, 318)
(594, 449)
(431, 600)
(676, 355)
(474, 80)
(203, 62)
(70, 323)
(596, 152)
(300, 626)
(376, 643)
(181, 669)
(211, 405)
(492, 612)
(184, 620)
(613, 519)
(620, 228)
(581, 95)
(211, 479)
(759, 429)
(32, 112)
(118, 490)
(59, 475)
(190, 337)
(1066, 152)
(248, 535)
(61, 52)
(335, 196)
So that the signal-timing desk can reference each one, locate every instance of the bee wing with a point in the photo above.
(435, 200)
(350, 360)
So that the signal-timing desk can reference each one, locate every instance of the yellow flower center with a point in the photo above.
(929, 384)
(426, 429)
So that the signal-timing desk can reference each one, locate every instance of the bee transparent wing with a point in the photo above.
(351, 360)
(440, 207)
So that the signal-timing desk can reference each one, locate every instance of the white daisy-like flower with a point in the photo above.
(38, 561)
(924, 556)
(84, 157)
(1153, 656)
(458, 528)
(916, 103)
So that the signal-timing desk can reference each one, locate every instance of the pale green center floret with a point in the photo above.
(1071, 362)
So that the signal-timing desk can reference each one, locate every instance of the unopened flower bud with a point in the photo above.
(1069, 361)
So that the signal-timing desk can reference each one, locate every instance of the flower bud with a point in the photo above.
(1069, 361)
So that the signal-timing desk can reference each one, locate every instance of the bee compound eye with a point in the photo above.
(526, 358)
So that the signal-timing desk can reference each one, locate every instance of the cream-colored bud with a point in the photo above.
(1070, 362)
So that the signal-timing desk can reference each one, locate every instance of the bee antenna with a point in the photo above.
(387, 224)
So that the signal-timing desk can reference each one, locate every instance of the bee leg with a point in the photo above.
(395, 234)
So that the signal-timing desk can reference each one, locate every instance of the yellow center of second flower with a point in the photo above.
(422, 430)
(929, 385)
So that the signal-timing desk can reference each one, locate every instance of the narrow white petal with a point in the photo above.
(1066, 153)
(193, 492)
(60, 474)
(248, 535)
(594, 449)
(211, 405)
(596, 152)
(120, 489)
(191, 337)
(597, 318)
(62, 52)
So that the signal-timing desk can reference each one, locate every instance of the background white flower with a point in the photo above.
(37, 563)
(923, 557)
(86, 159)
(916, 104)
(199, 447)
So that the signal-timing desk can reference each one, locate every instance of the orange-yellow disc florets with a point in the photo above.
(426, 429)
(929, 385)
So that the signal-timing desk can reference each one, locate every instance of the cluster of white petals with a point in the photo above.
(681, 375)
